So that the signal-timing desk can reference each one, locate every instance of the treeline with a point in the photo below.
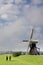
(6, 52)
(22, 53)
(17, 53)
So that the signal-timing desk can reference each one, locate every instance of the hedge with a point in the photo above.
(15, 54)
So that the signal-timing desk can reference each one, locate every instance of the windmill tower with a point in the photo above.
(32, 45)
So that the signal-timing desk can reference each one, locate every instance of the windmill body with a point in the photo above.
(33, 48)
(32, 45)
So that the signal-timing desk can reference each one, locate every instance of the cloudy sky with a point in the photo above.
(17, 18)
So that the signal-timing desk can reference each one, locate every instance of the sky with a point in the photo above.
(17, 18)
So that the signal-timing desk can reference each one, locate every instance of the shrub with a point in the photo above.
(15, 54)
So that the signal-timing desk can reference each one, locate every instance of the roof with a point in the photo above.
(34, 41)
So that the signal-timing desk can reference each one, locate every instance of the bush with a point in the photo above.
(15, 54)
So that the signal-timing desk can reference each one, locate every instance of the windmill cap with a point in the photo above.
(34, 41)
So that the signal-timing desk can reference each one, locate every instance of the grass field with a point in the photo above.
(22, 60)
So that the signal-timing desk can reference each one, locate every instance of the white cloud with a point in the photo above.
(18, 1)
(11, 28)
(4, 16)
(6, 1)
(10, 11)
(20, 29)
(34, 15)
(37, 1)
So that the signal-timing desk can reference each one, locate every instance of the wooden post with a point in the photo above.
(6, 58)
(10, 58)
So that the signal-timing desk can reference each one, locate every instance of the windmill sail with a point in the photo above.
(31, 34)
(30, 40)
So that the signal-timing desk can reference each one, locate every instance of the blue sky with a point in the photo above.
(17, 18)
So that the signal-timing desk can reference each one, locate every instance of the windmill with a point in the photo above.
(32, 45)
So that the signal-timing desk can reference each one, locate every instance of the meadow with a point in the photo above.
(22, 60)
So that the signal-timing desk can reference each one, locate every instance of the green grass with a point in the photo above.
(22, 60)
